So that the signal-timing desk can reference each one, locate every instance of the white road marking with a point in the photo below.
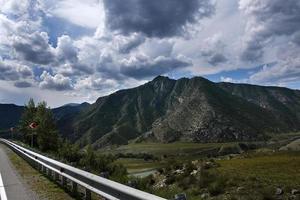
(2, 190)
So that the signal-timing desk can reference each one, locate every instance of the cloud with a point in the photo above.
(65, 50)
(34, 48)
(141, 66)
(267, 21)
(284, 71)
(276, 24)
(57, 82)
(22, 84)
(12, 71)
(91, 12)
(96, 83)
(216, 59)
(16, 9)
(227, 79)
(212, 50)
(126, 44)
(155, 18)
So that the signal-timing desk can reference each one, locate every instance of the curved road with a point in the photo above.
(14, 188)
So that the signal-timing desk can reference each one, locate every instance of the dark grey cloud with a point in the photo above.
(212, 49)
(34, 48)
(7, 73)
(155, 18)
(125, 45)
(142, 67)
(82, 68)
(22, 84)
(268, 20)
(296, 38)
(14, 71)
(253, 51)
(216, 59)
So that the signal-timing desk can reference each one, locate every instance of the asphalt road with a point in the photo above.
(15, 188)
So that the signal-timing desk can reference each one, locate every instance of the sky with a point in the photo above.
(73, 51)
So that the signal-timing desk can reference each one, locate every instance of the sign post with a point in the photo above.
(33, 126)
(12, 129)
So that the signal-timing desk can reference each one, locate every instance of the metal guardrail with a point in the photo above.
(92, 183)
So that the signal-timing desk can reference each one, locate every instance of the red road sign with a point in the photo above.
(33, 125)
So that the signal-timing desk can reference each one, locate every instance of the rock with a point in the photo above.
(239, 189)
(279, 191)
(204, 196)
(178, 171)
(181, 196)
(194, 172)
(295, 192)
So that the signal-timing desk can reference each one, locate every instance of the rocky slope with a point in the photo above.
(166, 110)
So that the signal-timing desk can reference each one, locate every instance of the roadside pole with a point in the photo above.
(33, 126)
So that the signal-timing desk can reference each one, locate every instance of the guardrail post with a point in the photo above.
(88, 194)
(74, 188)
(49, 173)
(56, 176)
(64, 181)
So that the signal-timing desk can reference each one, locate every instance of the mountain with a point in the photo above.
(198, 110)
(9, 115)
(167, 110)
(65, 115)
(283, 103)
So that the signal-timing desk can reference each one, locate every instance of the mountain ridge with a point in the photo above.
(167, 110)
(188, 109)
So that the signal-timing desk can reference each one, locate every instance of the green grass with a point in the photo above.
(180, 151)
(284, 136)
(261, 173)
(138, 165)
(177, 148)
(43, 187)
(279, 168)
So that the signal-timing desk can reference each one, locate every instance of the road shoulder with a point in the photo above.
(42, 187)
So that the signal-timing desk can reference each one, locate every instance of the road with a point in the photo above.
(14, 188)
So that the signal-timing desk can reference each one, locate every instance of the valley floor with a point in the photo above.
(267, 170)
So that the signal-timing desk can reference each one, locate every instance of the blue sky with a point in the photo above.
(75, 51)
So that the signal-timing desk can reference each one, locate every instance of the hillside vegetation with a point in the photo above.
(191, 110)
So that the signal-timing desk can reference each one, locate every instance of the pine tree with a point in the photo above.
(47, 134)
(27, 118)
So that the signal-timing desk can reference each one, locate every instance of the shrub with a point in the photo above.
(217, 187)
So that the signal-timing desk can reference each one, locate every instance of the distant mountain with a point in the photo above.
(283, 103)
(9, 115)
(65, 116)
(166, 110)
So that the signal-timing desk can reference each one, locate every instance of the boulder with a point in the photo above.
(295, 192)
(279, 191)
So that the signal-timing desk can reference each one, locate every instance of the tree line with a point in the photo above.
(37, 128)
